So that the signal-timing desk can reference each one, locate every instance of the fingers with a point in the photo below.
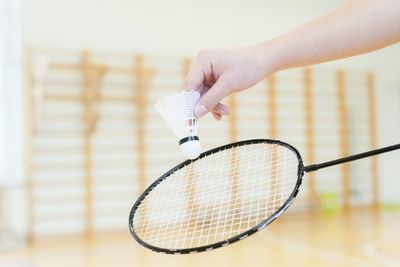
(216, 116)
(221, 109)
(212, 97)
(201, 78)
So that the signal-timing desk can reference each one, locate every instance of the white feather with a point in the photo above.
(178, 112)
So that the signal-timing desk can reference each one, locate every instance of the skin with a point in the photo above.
(356, 27)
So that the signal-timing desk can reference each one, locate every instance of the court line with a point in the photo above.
(313, 252)
(371, 251)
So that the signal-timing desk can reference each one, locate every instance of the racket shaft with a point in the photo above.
(315, 167)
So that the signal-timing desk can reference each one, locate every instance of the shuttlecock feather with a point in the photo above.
(177, 111)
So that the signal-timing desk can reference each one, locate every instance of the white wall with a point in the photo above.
(11, 121)
(183, 27)
(173, 26)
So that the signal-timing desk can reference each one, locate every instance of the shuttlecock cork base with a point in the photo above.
(177, 111)
(190, 147)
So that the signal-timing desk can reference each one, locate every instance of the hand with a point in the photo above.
(220, 72)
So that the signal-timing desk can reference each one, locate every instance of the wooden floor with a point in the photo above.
(358, 238)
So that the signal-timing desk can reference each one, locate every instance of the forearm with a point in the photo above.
(357, 27)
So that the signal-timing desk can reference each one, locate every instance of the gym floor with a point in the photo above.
(363, 237)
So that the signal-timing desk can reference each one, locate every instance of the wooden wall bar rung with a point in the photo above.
(100, 98)
(62, 97)
(71, 199)
(66, 166)
(61, 133)
(79, 67)
(60, 216)
(60, 199)
(56, 182)
(107, 211)
(71, 53)
(61, 150)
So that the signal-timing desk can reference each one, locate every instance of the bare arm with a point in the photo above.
(357, 27)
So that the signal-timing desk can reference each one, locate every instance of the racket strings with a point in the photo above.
(217, 197)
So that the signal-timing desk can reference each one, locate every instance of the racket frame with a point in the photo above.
(251, 231)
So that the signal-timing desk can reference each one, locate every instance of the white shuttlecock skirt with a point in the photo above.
(177, 110)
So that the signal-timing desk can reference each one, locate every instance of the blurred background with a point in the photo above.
(80, 138)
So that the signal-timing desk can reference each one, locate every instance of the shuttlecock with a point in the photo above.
(177, 111)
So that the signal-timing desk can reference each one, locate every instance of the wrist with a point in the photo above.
(269, 55)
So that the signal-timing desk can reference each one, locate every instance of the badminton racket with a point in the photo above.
(225, 195)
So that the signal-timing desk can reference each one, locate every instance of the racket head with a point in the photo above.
(136, 228)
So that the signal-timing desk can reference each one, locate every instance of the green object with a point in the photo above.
(390, 206)
(329, 203)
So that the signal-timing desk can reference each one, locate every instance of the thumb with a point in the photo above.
(212, 97)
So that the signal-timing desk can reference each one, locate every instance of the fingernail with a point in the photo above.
(217, 116)
(224, 110)
(200, 111)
